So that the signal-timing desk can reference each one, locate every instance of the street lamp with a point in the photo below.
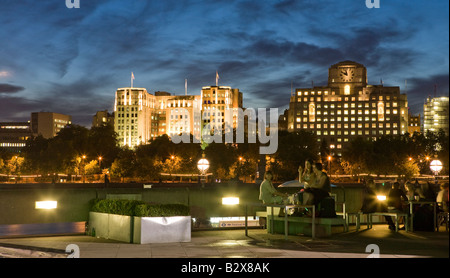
(329, 164)
(436, 167)
(84, 168)
(100, 162)
(203, 166)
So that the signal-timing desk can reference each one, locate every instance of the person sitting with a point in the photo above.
(267, 192)
(396, 199)
(370, 200)
(442, 197)
(320, 189)
(412, 193)
(269, 195)
(372, 204)
(307, 175)
(427, 194)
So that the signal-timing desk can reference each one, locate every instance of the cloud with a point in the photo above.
(10, 89)
(421, 88)
(5, 73)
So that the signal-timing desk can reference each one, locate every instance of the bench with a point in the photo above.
(396, 215)
(304, 225)
(285, 218)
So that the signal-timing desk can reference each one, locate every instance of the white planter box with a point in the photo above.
(162, 229)
(140, 230)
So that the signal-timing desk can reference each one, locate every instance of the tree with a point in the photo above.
(124, 165)
(92, 168)
(294, 148)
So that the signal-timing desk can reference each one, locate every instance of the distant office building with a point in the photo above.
(283, 121)
(413, 124)
(436, 114)
(348, 107)
(102, 118)
(133, 109)
(183, 115)
(140, 116)
(220, 106)
(48, 124)
(13, 135)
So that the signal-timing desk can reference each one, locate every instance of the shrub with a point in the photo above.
(156, 210)
(121, 207)
(138, 208)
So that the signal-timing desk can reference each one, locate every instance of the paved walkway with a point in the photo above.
(234, 244)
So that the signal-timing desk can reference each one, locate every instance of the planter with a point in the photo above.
(162, 229)
(140, 230)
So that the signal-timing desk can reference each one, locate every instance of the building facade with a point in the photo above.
(220, 106)
(14, 135)
(414, 124)
(48, 124)
(133, 116)
(348, 107)
(102, 118)
(140, 116)
(436, 114)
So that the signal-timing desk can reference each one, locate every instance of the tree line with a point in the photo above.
(77, 150)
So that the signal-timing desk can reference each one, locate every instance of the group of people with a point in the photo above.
(398, 198)
(316, 183)
(317, 186)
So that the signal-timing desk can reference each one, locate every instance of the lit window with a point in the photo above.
(347, 90)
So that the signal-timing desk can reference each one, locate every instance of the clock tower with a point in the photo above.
(346, 76)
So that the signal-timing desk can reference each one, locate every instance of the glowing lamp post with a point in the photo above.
(436, 167)
(203, 166)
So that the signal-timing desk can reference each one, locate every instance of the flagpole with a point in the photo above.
(217, 79)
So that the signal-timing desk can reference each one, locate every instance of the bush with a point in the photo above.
(138, 208)
(121, 207)
(154, 210)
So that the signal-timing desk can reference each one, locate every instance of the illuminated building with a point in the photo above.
(48, 124)
(413, 124)
(13, 135)
(183, 115)
(347, 108)
(141, 116)
(220, 106)
(133, 109)
(436, 114)
(102, 118)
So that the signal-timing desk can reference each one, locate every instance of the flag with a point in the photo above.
(217, 78)
(132, 75)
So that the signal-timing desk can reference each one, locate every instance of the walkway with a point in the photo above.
(234, 244)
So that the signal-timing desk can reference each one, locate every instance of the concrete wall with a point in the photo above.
(17, 205)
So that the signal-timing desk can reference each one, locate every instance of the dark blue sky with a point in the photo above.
(72, 60)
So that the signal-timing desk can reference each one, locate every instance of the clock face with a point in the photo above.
(347, 74)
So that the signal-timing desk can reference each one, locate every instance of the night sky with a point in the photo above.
(71, 61)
